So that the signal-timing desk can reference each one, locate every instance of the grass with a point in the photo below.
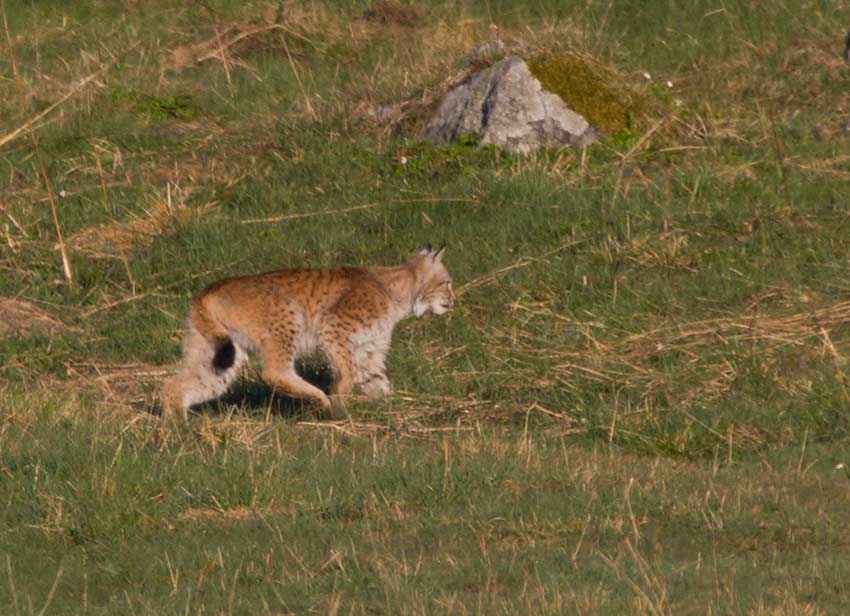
(638, 405)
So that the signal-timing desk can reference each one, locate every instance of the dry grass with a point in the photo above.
(634, 360)
(235, 515)
(128, 386)
(231, 43)
(24, 318)
(36, 119)
(793, 329)
(117, 238)
(392, 13)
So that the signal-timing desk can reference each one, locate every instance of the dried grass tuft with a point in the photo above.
(793, 329)
(235, 514)
(216, 48)
(638, 361)
(230, 40)
(24, 318)
(123, 388)
(117, 238)
(392, 13)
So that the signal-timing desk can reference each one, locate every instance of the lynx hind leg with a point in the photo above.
(206, 372)
(279, 372)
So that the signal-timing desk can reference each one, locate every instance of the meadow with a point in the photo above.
(639, 404)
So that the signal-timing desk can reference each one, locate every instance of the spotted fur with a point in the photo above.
(348, 314)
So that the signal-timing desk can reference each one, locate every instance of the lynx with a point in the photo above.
(347, 314)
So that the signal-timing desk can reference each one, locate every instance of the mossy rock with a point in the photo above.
(592, 90)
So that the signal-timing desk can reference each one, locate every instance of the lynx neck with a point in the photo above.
(401, 285)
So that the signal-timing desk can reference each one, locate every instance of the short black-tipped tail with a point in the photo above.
(225, 356)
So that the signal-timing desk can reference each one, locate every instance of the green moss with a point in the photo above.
(590, 89)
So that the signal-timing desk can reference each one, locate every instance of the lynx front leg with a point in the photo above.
(377, 386)
(371, 375)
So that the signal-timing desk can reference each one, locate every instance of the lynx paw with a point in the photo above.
(377, 387)
(171, 399)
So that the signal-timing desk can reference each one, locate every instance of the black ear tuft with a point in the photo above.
(426, 250)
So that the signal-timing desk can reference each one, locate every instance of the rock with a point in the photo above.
(847, 48)
(507, 106)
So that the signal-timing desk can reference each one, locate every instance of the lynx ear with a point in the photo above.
(426, 250)
(438, 256)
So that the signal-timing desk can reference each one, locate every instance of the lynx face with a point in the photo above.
(436, 293)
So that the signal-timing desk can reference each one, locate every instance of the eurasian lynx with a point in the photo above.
(348, 314)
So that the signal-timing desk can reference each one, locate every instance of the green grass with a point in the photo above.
(299, 519)
(638, 405)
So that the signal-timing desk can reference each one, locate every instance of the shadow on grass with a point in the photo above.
(256, 398)
(249, 395)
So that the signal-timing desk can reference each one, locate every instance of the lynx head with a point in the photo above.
(434, 292)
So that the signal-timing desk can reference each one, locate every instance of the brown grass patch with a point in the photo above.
(24, 318)
(126, 387)
(287, 20)
(641, 361)
(220, 47)
(774, 330)
(233, 515)
(117, 238)
(392, 13)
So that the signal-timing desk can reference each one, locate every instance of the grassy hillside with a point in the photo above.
(639, 404)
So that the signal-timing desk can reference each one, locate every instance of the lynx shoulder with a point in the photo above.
(348, 314)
